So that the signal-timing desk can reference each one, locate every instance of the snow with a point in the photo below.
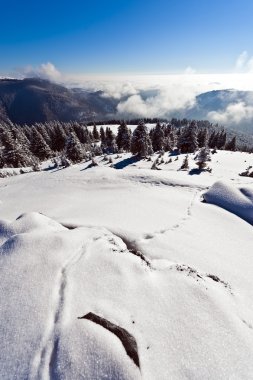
(137, 247)
(236, 200)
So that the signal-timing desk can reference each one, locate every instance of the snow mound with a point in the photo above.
(151, 321)
(238, 200)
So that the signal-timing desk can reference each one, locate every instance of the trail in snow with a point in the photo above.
(44, 361)
(177, 225)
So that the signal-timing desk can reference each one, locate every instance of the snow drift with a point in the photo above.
(154, 271)
(238, 200)
(178, 317)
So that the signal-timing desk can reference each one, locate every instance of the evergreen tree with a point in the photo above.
(123, 139)
(141, 143)
(185, 164)
(73, 149)
(39, 147)
(58, 137)
(102, 136)
(202, 157)
(110, 142)
(203, 138)
(95, 133)
(158, 139)
(14, 154)
(188, 140)
(221, 141)
(231, 145)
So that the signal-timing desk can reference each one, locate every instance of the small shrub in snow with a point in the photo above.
(65, 162)
(185, 164)
(247, 172)
(94, 162)
(154, 165)
(202, 157)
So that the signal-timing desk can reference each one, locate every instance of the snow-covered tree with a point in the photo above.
(203, 138)
(39, 146)
(95, 133)
(141, 143)
(58, 137)
(202, 157)
(110, 142)
(185, 164)
(158, 138)
(123, 139)
(13, 153)
(74, 151)
(188, 140)
(231, 145)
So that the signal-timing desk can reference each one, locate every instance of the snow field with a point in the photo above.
(146, 253)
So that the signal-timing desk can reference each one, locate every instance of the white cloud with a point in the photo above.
(244, 62)
(44, 71)
(118, 90)
(233, 114)
(163, 95)
(162, 103)
(241, 60)
(189, 70)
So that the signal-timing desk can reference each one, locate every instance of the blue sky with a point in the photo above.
(126, 36)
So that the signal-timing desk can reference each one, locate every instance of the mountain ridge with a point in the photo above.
(31, 100)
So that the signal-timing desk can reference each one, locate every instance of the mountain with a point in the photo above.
(36, 100)
(231, 108)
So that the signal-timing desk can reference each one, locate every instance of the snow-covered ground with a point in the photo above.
(163, 254)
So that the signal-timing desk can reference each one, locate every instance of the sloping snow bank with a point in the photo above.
(238, 200)
(185, 321)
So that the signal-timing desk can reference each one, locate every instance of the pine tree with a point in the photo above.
(185, 164)
(141, 143)
(73, 149)
(123, 139)
(202, 157)
(188, 140)
(82, 133)
(110, 142)
(102, 136)
(39, 147)
(14, 154)
(95, 133)
(203, 138)
(231, 145)
(58, 137)
(158, 139)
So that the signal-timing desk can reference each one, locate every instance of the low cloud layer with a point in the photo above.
(163, 103)
(162, 95)
(233, 114)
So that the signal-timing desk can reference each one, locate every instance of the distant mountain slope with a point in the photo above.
(232, 108)
(36, 100)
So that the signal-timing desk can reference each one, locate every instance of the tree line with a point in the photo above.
(22, 146)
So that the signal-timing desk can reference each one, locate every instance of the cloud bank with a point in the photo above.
(44, 71)
(161, 95)
(233, 114)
